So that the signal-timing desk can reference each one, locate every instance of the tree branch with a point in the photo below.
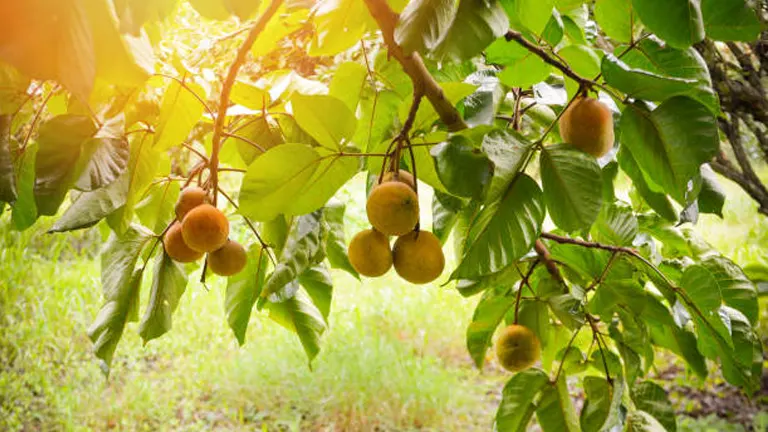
(546, 258)
(226, 89)
(518, 37)
(414, 66)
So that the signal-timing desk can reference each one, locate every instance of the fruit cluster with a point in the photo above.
(393, 210)
(201, 228)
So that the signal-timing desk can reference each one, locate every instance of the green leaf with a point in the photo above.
(250, 96)
(105, 156)
(601, 407)
(302, 246)
(476, 24)
(348, 83)
(730, 20)
(463, 169)
(454, 92)
(120, 283)
(243, 289)
(168, 285)
(616, 225)
(180, 110)
(670, 144)
(534, 314)
(712, 196)
(528, 14)
(280, 26)
(641, 421)
(504, 279)
(211, 9)
(332, 172)
(275, 179)
(335, 244)
(326, 118)
(24, 212)
(736, 289)
(572, 183)
(504, 52)
(517, 400)
(616, 18)
(652, 399)
(654, 57)
(525, 72)
(489, 313)
(13, 92)
(60, 143)
(554, 31)
(264, 131)
(503, 231)
(157, 209)
(339, 24)
(91, 207)
(568, 309)
(299, 315)
(144, 162)
(480, 107)
(507, 150)
(318, 284)
(242, 9)
(445, 214)
(702, 288)
(555, 411)
(7, 174)
(681, 24)
(658, 201)
(582, 59)
(423, 23)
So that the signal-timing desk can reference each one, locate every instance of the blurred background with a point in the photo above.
(394, 358)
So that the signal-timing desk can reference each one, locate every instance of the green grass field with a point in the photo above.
(394, 358)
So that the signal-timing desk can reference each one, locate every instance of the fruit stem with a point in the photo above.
(226, 90)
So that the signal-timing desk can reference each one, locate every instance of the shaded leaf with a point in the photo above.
(335, 243)
(301, 248)
(243, 289)
(517, 400)
(168, 284)
(489, 313)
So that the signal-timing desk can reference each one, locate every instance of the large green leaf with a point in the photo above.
(120, 284)
(25, 208)
(652, 398)
(250, 96)
(670, 144)
(300, 252)
(736, 289)
(318, 284)
(601, 407)
(144, 162)
(503, 231)
(326, 118)
(299, 315)
(712, 196)
(158, 208)
(658, 201)
(91, 207)
(333, 171)
(463, 169)
(104, 157)
(7, 174)
(681, 24)
(445, 214)
(347, 83)
(517, 400)
(616, 224)
(555, 411)
(527, 71)
(616, 18)
(641, 421)
(335, 244)
(180, 110)
(508, 151)
(702, 288)
(168, 285)
(243, 289)
(60, 143)
(281, 25)
(730, 20)
(423, 24)
(652, 56)
(339, 24)
(476, 24)
(489, 313)
(528, 14)
(275, 179)
(572, 183)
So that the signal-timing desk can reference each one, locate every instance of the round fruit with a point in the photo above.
(518, 348)
(190, 197)
(205, 228)
(228, 260)
(402, 176)
(176, 248)
(369, 253)
(418, 257)
(393, 208)
(588, 125)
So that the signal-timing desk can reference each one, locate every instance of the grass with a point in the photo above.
(393, 359)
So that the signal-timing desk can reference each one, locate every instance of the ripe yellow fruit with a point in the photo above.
(369, 253)
(228, 260)
(588, 125)
(176, 248)
(190, 197)
(205, 228)
(402, 176)
(517, 348)
(418, 257)
(393, 208)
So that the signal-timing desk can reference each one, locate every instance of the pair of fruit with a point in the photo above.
(393, 210)
(201, 228)
(517, 348)
(587, 124)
